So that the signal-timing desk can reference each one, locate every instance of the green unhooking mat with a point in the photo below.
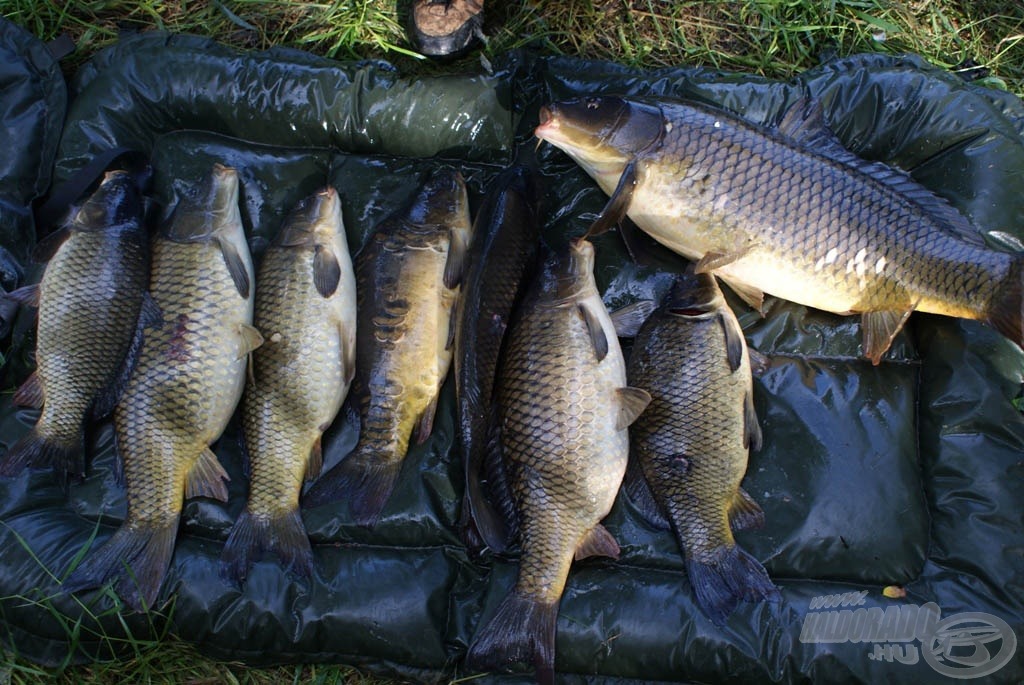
(908, 474)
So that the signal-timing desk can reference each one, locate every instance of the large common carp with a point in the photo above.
(407, 281)
(565, 409)
(89, 328)
(306, 310)
(788, 211)
(183, 390)
(692, 441)
(501, 255)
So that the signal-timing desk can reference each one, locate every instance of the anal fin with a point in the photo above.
(30, 393)
(27, 295)
(597, 543)
(744, 512)
(207, 478)
(878, 330)
(632, 402)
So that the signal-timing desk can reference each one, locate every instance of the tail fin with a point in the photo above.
(521, 632)
(1006, 314)
(36, 452)
(722, 583)
(365, 484)
(135, 559)
(252, 536)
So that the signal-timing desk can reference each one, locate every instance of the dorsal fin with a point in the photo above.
(804, 124)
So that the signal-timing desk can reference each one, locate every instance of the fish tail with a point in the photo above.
(733, 575)
(365, 486)
(33, 451)
(252, 536)
(521, 632)
(1007, 312)
(134, 559)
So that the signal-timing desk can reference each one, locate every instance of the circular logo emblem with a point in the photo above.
(969, 645)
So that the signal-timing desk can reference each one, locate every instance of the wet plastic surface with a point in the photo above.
(909, 473)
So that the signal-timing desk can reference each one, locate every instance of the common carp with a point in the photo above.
(92, 308)
(306, 310)
(501, 256)
(565, 408)
(183, 390)
(788, 211)
(407, 281)
(691, 443)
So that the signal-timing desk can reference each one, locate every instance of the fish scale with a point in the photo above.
(305, 308)
(90, 298)
(788, 211)
(187, 381)
(407, 282)
(691, 442)
(183, 390)
(564, 407)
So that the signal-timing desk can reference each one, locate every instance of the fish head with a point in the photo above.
(601, 133)
(212, 208)
(694, 295)
(567, 273)
(441, 201)
(116, 202)
(315, 220)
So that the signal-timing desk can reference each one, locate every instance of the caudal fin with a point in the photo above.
(521, 632)
(364, 485)
(33, 451)
(253, 536)
(1006, 314)
(732, 577)
(134, 559)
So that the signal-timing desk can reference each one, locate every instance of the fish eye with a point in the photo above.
(593, 103)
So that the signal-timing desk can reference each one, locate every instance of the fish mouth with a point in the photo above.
(548, 128)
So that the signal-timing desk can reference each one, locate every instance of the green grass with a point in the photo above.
(775, 38)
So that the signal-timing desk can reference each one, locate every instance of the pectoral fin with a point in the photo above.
(627, 320)
(207, 477)
(48, 246)
(597, 336)
(455, 265)
(878, 330)
(597, 543)
(712, 261)
(734, 343)
(632, 402)
(618, 202)
(236, 267)
(754, 297)
(326, 271)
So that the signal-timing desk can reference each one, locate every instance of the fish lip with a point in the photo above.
(548, 124)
